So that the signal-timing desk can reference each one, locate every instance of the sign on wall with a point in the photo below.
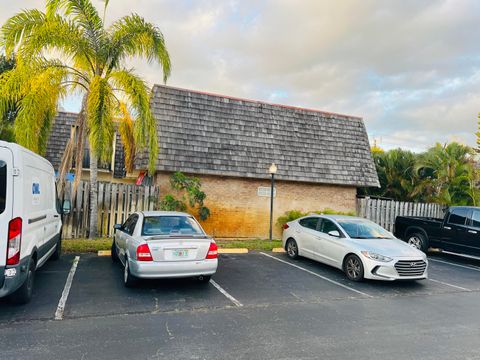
(265, 191)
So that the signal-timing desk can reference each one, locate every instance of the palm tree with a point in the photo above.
(448, 174)
(69, 49)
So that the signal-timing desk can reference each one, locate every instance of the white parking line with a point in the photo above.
(66, 290)
(227, 295)
(318, 275)
(451, 285)
(454, 264)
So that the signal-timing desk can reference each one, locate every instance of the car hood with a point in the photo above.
(387, 247)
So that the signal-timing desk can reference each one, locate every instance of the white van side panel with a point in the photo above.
(41, 221)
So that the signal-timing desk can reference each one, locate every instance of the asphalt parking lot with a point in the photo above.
(259, 305)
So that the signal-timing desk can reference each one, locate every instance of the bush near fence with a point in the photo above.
(115, 202)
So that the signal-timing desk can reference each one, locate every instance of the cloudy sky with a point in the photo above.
(410, 68)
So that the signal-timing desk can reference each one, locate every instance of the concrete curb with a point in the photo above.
(104, 253)
(233, 251)
(278, 250)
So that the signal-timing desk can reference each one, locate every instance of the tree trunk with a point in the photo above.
(93, 231)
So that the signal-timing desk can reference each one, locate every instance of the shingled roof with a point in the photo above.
(202, 133)
(61, 132)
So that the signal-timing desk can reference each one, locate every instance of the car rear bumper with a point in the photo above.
(377, 270)
(15, 277)
(172, 269)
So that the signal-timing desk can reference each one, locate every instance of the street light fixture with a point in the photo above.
(272, 171)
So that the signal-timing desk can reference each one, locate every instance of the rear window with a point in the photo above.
(170, 225)
(3, 185)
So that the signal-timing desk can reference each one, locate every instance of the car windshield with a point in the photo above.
(171, 226)
(364, 229)
(3, 185)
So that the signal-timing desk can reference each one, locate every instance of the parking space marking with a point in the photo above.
(318, 275)
(451, 285)
(454, 264)
(227, 295)
(66, 290)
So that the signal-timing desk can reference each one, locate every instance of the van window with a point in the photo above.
(3, 185)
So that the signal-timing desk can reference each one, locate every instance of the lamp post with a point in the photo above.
(272, 171)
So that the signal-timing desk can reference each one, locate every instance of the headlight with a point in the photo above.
(375, 256)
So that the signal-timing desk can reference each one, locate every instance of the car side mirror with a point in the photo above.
(117, 227)
(334, 233)
(66, 207)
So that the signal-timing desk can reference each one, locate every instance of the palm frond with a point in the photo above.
(20, 26)
(138, 95)
(133, 36)
(126, 131)
(100, 105)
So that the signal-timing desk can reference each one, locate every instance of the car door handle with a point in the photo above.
(56, 216)
(472, 231)
(447, 228)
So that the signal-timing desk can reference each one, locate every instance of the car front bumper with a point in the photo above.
(172, 269)
(378, 270)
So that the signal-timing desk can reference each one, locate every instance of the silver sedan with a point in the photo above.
(359, 247)
(158, 244)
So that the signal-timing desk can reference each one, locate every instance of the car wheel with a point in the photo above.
(128, 279)
(292, 249)
(204, 278)
(354, 268)
(58, 250)
(114, 253)
(419, 241)
(24, 294)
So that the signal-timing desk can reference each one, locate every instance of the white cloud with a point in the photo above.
(411, 68)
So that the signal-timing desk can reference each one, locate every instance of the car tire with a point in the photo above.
(418, 241)
(128, 279)
(114, 254)
(353, 268)
(292, 249)
(58, 250)
(23, 295)
(204, 278)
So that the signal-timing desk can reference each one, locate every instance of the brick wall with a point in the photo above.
(237, 211)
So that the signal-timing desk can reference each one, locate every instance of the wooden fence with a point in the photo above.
(115, 203)
(384, 212)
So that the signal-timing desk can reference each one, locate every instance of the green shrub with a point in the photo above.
(295, 214)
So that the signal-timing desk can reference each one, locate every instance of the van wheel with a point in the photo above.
(128, 279)
(419, 241)
(114, 253)
(24, 293)
(58, 250)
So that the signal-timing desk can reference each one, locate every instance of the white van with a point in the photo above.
(30, 221)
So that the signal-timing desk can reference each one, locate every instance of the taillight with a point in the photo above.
(285, 226)
(14, 241)
(212, 251)
(143, 253)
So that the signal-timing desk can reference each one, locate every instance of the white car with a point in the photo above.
(160, 244)
(359, 247)
(30, 222)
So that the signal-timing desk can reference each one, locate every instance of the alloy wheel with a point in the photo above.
(354, 268)
(415, 241)
(292, 249)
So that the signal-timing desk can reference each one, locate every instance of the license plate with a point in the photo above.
(180, 253)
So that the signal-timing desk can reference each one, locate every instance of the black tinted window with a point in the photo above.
(458, 216)
(171, 225)
(3, 185)
(309, 223)
(328, 226)
(476, 218)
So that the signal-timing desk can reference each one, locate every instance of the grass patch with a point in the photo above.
(86, 245)
(94, 245)
(257, 244)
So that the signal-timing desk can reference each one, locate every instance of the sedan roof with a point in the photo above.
(164, 213)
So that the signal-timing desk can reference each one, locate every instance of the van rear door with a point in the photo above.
(6, 208)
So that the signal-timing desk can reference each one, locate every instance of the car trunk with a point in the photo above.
(178, 249)
(6, 165)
